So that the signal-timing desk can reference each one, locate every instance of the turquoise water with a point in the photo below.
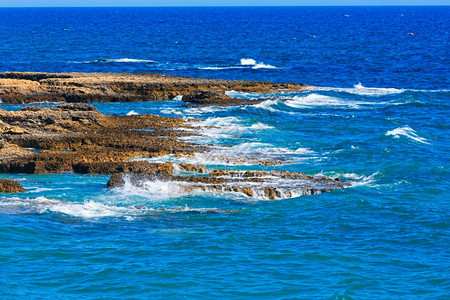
(376, 121)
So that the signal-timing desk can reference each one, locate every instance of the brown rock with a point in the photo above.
(10, 186)
(193, 168)
(115, 181)
(26, 87)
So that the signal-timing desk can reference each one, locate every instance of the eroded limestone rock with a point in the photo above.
(27, 87)
(10, 186)
(265, 185)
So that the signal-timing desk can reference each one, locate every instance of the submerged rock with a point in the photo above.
(10, 186)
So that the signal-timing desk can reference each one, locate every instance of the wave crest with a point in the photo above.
(407, 132)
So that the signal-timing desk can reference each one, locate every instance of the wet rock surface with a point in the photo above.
(217, 98)
(10, 186)
(27, 87)
(264, 185)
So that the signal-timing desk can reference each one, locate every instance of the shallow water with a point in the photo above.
(378, 119)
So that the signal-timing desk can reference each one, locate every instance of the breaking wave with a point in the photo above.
(132, 113)
(220, 68)
(119, 60)
(256, 65)
(359, 89)
(244, 154)
(407, 132)
(353, 178)
(244, 63)
(92, 209)
(223, 127)
(321, 100)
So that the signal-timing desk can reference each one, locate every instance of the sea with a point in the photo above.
(376, 115)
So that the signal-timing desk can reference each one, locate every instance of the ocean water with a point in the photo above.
(377, 116)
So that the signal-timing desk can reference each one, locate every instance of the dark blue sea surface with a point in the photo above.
(377, 117)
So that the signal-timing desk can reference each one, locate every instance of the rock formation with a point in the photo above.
(26, 87)
(266, 185)
(10, 186)
(76, 137)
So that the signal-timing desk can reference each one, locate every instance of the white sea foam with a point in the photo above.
(194, 111)
(353, 178)
(40, 189)
(116, 60)
(407, 132)
(132, 113)
(223, 127)
(320, 100)
(359, 89)
(160, 190)
(178, 98)
(126, 60)
(248, 62)
(220, 68)
(236, 94)
(267, 105)
(88, 209)
(286, 187)
(93, 209)
(244, 154)
(260, 126)
(264, 66)
(256, 65)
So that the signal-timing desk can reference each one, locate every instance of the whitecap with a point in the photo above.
(263, 66)
(320, 100)
(256, 65)
(126, 60)
(194, 111)
(359, 89)
(93, 209)
(236, 94)
(407, 132)
(352, 178)
(244, 154)
(160, 190)
(248, 62)
(267, 105)
(132, 113)
(220, 68)
(223, 127)
(260, 126)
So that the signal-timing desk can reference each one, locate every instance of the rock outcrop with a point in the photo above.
(10, 186)
(76, 137)
(27, 87)
(265, 185)
(217, 98)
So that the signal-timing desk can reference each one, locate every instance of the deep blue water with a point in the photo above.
(378, 118)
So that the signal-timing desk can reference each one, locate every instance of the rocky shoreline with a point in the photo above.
(76, 137)
(29, 87)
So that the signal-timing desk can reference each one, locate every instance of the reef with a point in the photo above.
(28, 87)
(76, 137)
